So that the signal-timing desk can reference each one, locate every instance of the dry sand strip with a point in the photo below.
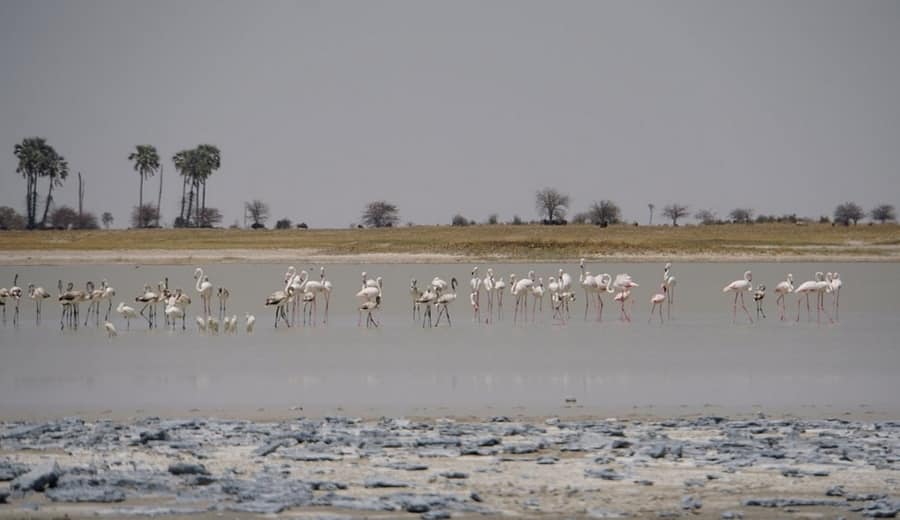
(337, 467)
(288, 256)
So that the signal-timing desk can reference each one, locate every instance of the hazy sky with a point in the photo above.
(461, 106)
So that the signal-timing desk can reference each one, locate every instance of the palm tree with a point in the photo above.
(182, 160)
(146, 162)
(39, 159)
(209, 160)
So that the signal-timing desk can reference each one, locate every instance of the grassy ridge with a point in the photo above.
(500, 240)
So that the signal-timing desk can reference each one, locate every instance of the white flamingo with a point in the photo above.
(604, 284)
(670, 281)
(414, 293)
(110, 329)
(427, 299)
(657, 300)
(475, 289)
(488, 284)
(622, 285)
(782, 289)
(204, 288)
(369, 293)
(738, 287)
(250, 321)
(499, 289)
(836, 284)
(758, 296)
(309, 300)
(369, 307)
(298, 282)
(520, 289)
(278, 300)
(537, 293)
(38, 295)
(804, 290)
(173, 311)
(443, 301)
(148, 298)
(326, 291)
(126, 312)
(589, 285)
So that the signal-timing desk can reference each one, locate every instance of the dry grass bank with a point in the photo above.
(502, 241)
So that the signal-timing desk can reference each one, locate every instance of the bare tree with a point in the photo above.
(651, 207)
(140, 216)
(604, 212)
(284, 223)
(11, 219)
(107, 219)
(706, 216)
(209, 217)
(884, 213)
(551, 203)
(380, 213)
(741, 215)
(675, 212)
(258, 211)
(848, 211)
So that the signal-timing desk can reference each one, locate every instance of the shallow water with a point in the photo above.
(698, 361)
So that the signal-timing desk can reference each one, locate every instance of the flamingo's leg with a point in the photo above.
(745, 307)
(734, 310)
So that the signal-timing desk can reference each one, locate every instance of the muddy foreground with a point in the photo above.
(343, 467)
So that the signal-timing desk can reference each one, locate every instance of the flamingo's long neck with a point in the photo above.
(199, 279)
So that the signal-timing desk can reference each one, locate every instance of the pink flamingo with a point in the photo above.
(805, 289)
(738, 287)
(783, 289)
(623, 284)
(657, 300)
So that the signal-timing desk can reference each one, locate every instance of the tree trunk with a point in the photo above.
(159, 198)
(47, 203)
(187, 218)
(183, 189)
(203, 211)
(28, 201)
(141, 202)
(197, 206)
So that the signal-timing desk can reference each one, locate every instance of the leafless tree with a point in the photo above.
(884, 213)
(675, 212)
(551, 203)
(258, 212)
(848, 211)
(380, 213)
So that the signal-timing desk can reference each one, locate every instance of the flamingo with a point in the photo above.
(414, 293)
(622, 285)
(670, 281)
(475, 286)
(309, 300)
(278, 300)
(443, 301)
(250, 321)
(439, 284)
(758, 297)
(488, 284)
(836, 284)
(96, 296)
(38, 295)
(298, 282)
(173, 311)
(499, 289)
(368, 294)
(148, 298)
(369, 307)
(823, 286)
(326, 290)
(738, 287)
(212, 325)
(783, 289)
(70, 300)
(537, 293)
(473, 301)
(589, 284)
(108, 293)
(201, 323)
(427, 298)
(4, 294)
(204, 288)
(126, 312)
(604, 284)
(223, 295)
(16, 293)
(804, 290)
(520, 289)
(657, 300)
(110, 329)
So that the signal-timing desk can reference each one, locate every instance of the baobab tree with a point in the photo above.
(675, 212)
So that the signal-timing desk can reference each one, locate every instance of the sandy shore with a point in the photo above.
(288, 256)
